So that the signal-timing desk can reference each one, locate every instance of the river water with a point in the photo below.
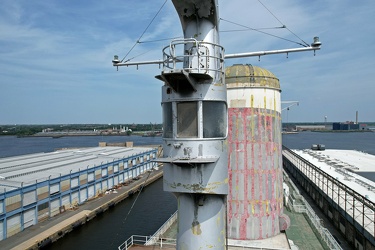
(154, 205)
(361, 141)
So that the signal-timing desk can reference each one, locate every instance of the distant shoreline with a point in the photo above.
(67, 134)
(342, 131)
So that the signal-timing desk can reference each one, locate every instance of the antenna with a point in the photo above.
(316, 45)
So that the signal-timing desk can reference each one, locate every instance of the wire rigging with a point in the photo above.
(283, 26)
(270, 28)
(305, 44)
(131, 208)
(138, 55)
(266, 33)
(138, 41)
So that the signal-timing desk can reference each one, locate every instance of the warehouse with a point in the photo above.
(36, 187)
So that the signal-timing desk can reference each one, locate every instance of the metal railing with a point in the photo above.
(154, 239)
(202, 57)
(162, 230)
(142, 240)
(355, 207)
(312, 216)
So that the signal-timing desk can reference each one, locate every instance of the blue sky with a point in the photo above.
(55, 57)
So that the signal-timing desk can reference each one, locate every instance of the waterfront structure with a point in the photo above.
(310, 127)
(36, 187)
(195, 123)
(195, 127)
(346, 198)
(255, 200)
(345, 126)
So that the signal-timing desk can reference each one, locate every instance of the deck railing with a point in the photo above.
(352, 205)
(142, 240)
(154, 239)
(202, 57)
(312, 216)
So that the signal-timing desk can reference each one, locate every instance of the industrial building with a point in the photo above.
(349, 125)
(345, 197)
(36, 187)
(345, 126)
(310, 127)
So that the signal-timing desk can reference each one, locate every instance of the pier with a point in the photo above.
(46, 232)
(345, 197)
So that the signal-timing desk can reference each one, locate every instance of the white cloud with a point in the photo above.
(57, 55)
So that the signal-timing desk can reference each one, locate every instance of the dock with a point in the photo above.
(46, 232)
(332, 181)
(330, 205)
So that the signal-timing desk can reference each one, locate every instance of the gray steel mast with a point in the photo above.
(195, 127)
(195, 123)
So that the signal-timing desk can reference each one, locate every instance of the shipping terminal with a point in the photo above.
(236, 186)
(334, 193)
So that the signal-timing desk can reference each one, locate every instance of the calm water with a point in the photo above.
(361, 141)
(109, 230)
(11, 145)
(154, 205)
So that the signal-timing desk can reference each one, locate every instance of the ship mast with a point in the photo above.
(195, 126)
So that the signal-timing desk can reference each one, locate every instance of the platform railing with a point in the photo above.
(312, 216)
(142, 240)
(154, 238)
(200, 58)
(354, 206)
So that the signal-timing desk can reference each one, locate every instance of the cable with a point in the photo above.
(136, 198)
(131, 208)
(281, 27)
(304, 45)
(138, 41)
(283, 24)
(159, 40)
(138, 55)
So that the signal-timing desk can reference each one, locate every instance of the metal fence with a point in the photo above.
(142, 240)
(154, 239)
(313, 218)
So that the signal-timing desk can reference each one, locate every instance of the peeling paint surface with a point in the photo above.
(196, 228)
(255, 200)
(195, 110)
(255, 174)
(195, 223)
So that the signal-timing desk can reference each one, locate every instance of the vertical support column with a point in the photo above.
(195, 128)
(201, 221)
(255, 200)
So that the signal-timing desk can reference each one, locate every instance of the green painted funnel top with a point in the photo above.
(247, 75)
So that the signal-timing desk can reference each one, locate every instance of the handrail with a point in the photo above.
(355, 205)
(171, 59)
(162, 229)
(352, 192)
(313, 217)
(150, 240)
(142, 240)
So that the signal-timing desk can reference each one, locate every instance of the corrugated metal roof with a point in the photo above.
(20, 170)
(343, 165)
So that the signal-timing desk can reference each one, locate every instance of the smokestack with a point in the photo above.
(356, 117)
(255, 199)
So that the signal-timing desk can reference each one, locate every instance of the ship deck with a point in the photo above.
(343, 165)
